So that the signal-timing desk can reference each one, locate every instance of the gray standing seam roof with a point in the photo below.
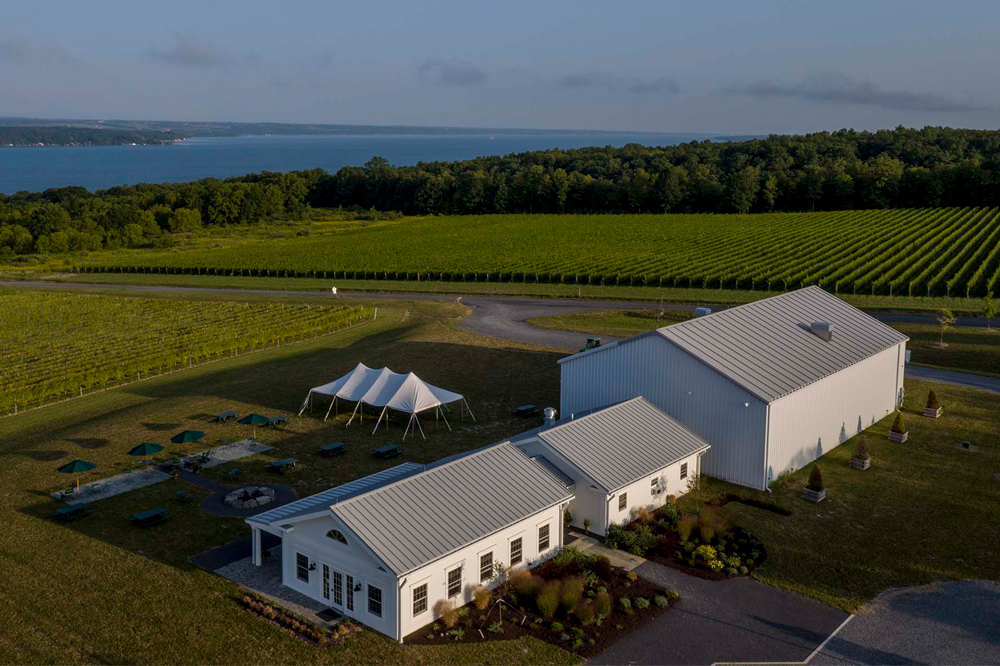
(426, 516)
(322, 501)
(621, 444)
(767, 346)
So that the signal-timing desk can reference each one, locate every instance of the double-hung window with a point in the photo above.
(419, 599)
(684, 470)
(543, 538)
(485, 566)
(375, 601)
(454, 582)
(622, 501)
(515, 551)
(301, 567)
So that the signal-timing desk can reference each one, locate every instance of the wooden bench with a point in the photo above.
(525, 410)
(150, 517)
(387, 451)
(332, 449)
(72, 512)
(284, 465)
(224, 417)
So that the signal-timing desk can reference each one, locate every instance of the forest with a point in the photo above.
(80, 136)
(826, 171)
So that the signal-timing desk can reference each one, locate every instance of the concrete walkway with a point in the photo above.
(738, 620)
(619, 558)
(116, 485)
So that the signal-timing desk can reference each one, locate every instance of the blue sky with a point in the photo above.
(754, 66)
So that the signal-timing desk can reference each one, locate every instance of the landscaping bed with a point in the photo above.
(578, 602)
(299, 627)
(706, 544)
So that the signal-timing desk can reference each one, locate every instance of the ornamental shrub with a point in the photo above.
(862, 453)
(557, 626)
(715, 565)
(898, 425)
(614, 535)
(548, 599)
(602, 604)
(932, 400)
(816, 479)
(625, 603)
(705, 552)
(643, 541)
(641, 603)
(570, 594)
(685, 526)
(586, 612)
(661, 601)
(525, 585)
(445, 609)
(481, 597)
(733, 561)
(668, 513)
(602, 567)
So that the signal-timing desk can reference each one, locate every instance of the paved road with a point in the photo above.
(506, 317)
(737, 620)
(942, 623)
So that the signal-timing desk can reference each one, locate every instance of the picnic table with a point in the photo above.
(279, 420)
(283, 465)
(224, 416)
(387, 451)
(71, 512)
(332, 449)
(525, 410)
(150, 517)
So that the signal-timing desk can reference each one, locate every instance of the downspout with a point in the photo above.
(767, 444)
(399, 609)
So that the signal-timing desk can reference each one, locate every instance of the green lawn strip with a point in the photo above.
(70, 592)
(924, 511)
(696, 296)
(616, 323)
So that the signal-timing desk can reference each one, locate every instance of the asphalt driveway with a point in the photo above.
(739, 620)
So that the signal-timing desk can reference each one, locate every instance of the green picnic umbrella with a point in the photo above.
(186, 437)
(145, 449)
(254, 420)
(76, 467)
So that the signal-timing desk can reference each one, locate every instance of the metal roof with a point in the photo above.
(767, 346)
(563, 477)
(322, 501)
(622, 443)
(424, 517)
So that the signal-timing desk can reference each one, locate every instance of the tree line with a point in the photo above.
(80, 136)
(840, 170)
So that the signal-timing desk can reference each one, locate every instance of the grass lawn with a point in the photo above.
(668, 295)
(970, 348)
(98, 590)
(924, 511)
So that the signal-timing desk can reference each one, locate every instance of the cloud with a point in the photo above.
(196, 53)
(581, 80)
(454, 72)
(24, 52)
(835, 88)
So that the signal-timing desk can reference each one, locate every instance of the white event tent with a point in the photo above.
(389, 390)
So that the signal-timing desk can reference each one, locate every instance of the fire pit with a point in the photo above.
(249, 497)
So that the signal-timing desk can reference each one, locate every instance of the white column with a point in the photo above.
(256, 546)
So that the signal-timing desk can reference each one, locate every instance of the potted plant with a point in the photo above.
(586, 524)
(933, 407)
(815, 491)
(862, 458)
(898, 432)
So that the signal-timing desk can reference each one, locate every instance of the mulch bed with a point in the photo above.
(597, 638)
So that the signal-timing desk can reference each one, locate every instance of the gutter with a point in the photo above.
(399, 608)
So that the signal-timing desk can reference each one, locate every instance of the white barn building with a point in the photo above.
(771, 385)
(385, 549)
(623, 457)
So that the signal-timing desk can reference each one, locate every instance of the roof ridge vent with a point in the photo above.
(822, 329)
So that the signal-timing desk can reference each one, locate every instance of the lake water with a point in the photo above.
(39, 168)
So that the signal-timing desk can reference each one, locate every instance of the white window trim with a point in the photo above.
(510, 540)
(368, 588)
(479, 565)
(538, 528)
(622, 496)
(682, 471)
(461, 579)
(423, 582)
(295, 566)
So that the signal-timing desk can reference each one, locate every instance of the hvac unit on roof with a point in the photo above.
(822, 329)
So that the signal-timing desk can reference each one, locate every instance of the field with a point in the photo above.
(61, 345)
(70, 593)
(906, 252)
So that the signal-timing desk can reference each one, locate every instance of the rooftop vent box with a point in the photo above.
(701, 312)
(822, 329)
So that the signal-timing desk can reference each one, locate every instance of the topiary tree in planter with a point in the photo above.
(862, 458)
(815, 490)
(898, 432)
(933, 407)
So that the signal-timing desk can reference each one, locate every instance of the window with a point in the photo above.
(654, 486)
(301, 567)
(684, 470)
(350, 593)
(622, 501)
(337, 535)
(419, 599)
(454, 582)
(515, 551)
(338, 588)
(543, 538)
(375, 601)
(486, 566)
(326, 582)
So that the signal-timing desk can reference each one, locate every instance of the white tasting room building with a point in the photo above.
(385, 549)
(627, 456)
(771, 385)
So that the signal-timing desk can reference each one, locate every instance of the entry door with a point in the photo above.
(333, 587)
(349, 595)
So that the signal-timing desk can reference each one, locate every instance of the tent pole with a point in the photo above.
(408, 424)
(308, 403)
(445, 420)
(380, 419)
(355, 412)
(417, 421)
(469, 408)
(328, 410)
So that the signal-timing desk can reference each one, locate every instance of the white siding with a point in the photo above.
(639, 494)
(813, 420)
(730, 418)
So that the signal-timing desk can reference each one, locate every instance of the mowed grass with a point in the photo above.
(926, 510)
(98, 590)
(694, 296)
(970, 348)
